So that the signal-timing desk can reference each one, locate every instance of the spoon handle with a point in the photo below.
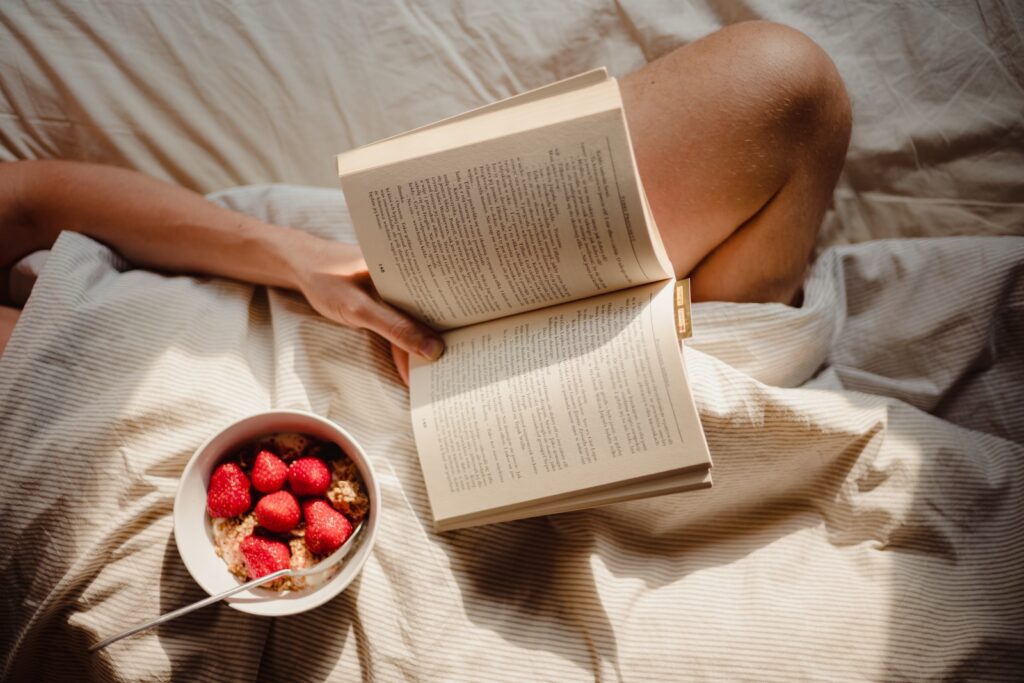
(327, 563)
(189, 608)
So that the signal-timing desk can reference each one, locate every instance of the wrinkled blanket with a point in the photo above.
(865, 521)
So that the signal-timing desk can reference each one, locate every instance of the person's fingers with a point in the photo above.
(396, 327)
(401, 358)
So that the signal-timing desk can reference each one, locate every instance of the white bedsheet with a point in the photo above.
(869, 487)
(213, 95)
(865, 521)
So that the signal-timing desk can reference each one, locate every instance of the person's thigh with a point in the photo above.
(739, 138)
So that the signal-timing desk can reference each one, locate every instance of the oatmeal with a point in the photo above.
(279, 498)
(228, 532)
(346, 491)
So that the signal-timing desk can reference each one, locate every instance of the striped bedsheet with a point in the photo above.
(866, 522)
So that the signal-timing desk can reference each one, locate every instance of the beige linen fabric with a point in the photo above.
(865, 521)
(236, 92)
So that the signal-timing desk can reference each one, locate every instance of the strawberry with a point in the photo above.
(228, 494)
(326, 528)
(278, 511)
(264, 555)
(269, 472)
(309, 477)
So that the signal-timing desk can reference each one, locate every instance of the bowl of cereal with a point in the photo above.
(276, 490)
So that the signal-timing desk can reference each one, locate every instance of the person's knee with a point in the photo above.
(795, 85)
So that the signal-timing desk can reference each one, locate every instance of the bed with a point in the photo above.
(866, 517)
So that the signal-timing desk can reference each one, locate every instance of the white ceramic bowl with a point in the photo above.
(193, 535)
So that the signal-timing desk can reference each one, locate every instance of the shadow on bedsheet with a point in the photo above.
(900, 513)
(955, 558)
(533, 587)
(957, 553)
(941, 506)
(258, 647)
(187, 640)
(577, 574)
(122, 418)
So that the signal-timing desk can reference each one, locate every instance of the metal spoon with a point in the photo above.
(325, 564)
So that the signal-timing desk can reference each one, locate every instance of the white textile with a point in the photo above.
(865, 521)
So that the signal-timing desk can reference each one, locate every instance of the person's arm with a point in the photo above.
(164, 227)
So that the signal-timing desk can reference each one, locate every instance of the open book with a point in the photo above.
(521, 230)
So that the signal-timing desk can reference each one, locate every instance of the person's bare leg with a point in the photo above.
(739, 138)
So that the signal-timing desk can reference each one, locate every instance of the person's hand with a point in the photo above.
(334, 279)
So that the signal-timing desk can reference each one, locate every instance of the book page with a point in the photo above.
(573, 398)
(509, 224)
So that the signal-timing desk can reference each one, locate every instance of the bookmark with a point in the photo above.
(684, 325)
